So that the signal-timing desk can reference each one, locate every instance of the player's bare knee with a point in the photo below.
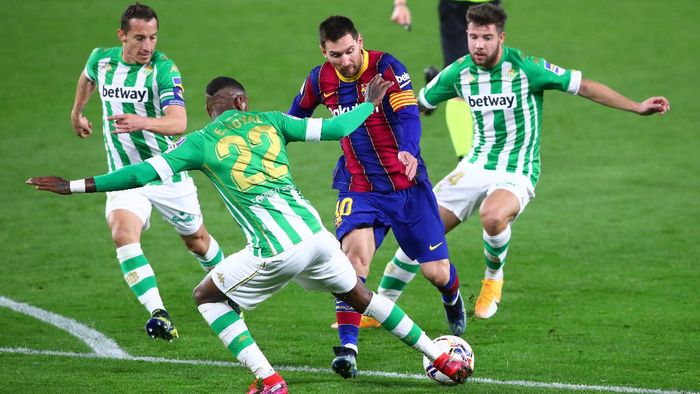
(122, 235)
(436, 272)
(206, 292)
(359, 259)
(493, 221)
(198, 242)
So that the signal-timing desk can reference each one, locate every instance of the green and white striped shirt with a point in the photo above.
(506, 107)
(141, 89)
(244, 155)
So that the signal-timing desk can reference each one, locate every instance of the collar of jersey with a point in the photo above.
(365, 64)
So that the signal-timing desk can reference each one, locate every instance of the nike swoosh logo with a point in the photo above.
(329, 94)
(431, 247)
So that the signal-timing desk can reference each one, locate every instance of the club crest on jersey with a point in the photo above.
(554, 68)
(107, 67)
(146, 70)
(124, 94)
(511, 74)
(490, 102)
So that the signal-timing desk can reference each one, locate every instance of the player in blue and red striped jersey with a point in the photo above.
(381, 178)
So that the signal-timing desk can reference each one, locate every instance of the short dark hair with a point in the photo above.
(218, 83)
(487, 14)
(137, 11)
(336, 27)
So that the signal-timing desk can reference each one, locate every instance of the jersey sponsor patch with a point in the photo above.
(554, 68)
(403, 79)
(124, 94)
(178, 89)
(341, 109)
(176, 144)
(489, 102)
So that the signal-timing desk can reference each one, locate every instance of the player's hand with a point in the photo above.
(128, 123)
(654, 105)
(50, 183)
(402, 16)
(376, 89)
(410, 162)
(81, 126)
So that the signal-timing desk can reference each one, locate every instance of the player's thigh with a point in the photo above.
(518, 193)
(133, 201)
(462, 190)
(329, 270)
(358, 211)
(178, 205)
(249, 280)
(416, 224)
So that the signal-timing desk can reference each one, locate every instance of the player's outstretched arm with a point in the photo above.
(603, 94)
(173, 123)
(128, 177)
(344, 124)
(81, 125)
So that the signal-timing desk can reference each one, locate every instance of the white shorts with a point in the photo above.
(464, 189)
(177, 203)
(317, 263)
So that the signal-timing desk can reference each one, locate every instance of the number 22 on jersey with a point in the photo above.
(245, 149)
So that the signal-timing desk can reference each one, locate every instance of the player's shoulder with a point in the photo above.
(160, 59)
(382, 58)
(101, 53)
(527, 62)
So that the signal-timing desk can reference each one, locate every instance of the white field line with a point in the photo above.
(110, 350)
(99, 343)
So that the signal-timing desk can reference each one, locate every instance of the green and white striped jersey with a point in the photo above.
(244, 155)
(506, 106)
(142, 89)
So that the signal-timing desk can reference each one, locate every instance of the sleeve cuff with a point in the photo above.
(77, 186)
(161, 166)
(575, 82)
(85, 72)
(313, 129)
(423, 102)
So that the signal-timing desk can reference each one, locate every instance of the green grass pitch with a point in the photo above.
(602, 279)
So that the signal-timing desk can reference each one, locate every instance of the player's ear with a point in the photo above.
(323, 50)
(360, 41)
(121, 34)
(241, 102)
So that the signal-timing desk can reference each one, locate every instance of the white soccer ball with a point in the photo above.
(455, 347)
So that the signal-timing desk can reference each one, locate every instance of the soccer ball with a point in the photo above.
(455, 347)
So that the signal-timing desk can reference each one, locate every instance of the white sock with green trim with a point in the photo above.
(233, 332)
(398, 273)
(495, 252)
(139, 275)
(396, 321)
(213, 256)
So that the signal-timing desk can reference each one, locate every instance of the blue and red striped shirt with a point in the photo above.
(370, 154)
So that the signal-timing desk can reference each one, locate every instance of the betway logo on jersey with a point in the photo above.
(492, 101)
(124, 94)
(403, 79)
(341, 109)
